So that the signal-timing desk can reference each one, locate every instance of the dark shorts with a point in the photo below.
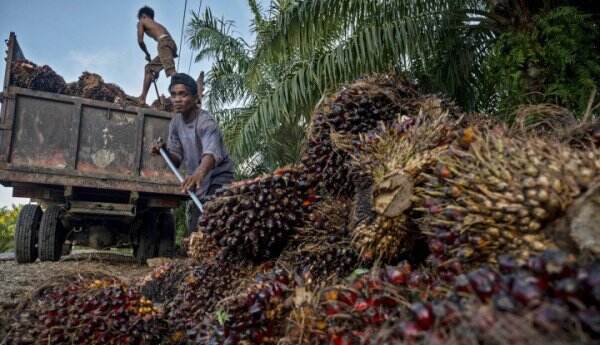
(192, 213)
(167, 52)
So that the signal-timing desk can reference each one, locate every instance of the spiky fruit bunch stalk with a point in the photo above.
(256, 217)
(162, 283)
(198, 293)
(392, 161)
(88, 311)
(357, 108)
(491, 194)
(254, 316)
(320, 249)
(28, 75)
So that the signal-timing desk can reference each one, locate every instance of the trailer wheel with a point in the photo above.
(147, 238)
(26, 233)
(166, 244)
(51, 234)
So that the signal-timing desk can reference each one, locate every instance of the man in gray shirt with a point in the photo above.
(196, 143)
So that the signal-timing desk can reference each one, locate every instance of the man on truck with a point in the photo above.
(167, 50)
(195, 141)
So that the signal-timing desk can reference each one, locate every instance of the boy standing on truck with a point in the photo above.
(195, 141)
(167, 50)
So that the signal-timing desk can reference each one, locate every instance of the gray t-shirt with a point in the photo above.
(190, 141)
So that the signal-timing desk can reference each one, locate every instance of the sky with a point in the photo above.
(73, 36)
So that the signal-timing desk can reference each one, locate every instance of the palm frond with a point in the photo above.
(373, 49)
(207, 31)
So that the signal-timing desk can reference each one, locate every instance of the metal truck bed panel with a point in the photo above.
(55, 139)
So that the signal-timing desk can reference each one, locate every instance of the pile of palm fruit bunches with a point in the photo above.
(407, 222)
(26, 74)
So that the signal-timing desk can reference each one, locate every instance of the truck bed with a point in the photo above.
(53, 139)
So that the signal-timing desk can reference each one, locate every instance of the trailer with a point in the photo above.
(87, 167)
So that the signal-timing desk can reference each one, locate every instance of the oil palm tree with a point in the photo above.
(233, 97)
(306, 48)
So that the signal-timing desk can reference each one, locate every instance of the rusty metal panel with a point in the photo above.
(154, 167)
(41, 133)
(53, 178)
(40, 192)
(107, 142)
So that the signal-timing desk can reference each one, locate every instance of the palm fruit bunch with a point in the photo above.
(88, 311)
(28, 75)
(475, 324)
(490, 194)
(392, 161)
(201, 246)
(551, 294)
(197, 295)
(254, 316)
(256, 217)
(352, 312)
(321, 247)
(357, 108)
(162, 283)
(92, 86)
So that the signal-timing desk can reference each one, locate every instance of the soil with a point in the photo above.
(17, 281)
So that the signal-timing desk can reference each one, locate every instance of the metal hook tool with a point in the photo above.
(192, 195)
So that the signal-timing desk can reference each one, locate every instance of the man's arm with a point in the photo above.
(142, 44)
(173, 146)
(207, 163)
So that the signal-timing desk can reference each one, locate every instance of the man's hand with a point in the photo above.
(192, 182)
(148, 58)
(157, 145)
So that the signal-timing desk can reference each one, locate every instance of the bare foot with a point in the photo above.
(141, 101)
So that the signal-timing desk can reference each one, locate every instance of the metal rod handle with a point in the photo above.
(192, 195)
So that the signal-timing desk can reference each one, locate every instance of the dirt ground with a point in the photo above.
(19, 280)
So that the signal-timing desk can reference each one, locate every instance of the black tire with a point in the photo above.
(147, 238)
(166, 226)
(26, 233)
(51, 234)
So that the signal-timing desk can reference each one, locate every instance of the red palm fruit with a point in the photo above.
(409, 330)
(462, 284)
(507, 263)
(360, 305)
(481, 284)
(333, 308)
(566, 288)
(436, 246)
(341, 340)
(377, 318)
(348, 297)
(396, 275)
(422, 315)
(527, 291)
